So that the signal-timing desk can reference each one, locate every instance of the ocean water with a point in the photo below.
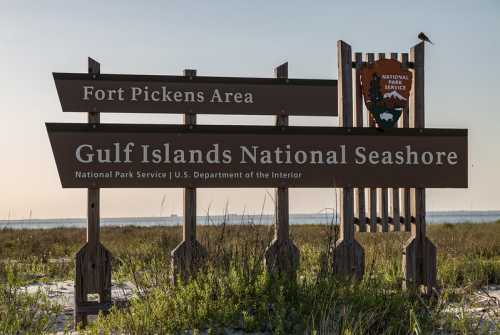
(174, 220)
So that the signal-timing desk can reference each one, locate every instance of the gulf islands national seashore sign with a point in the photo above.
(112, 155)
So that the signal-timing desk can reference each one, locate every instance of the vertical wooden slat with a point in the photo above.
(348, 254)
(282, 256)
(382, 194)
(359, 193)
(394, 213)
(405, 192)
(372, 203)
(394, 192)
(358, 94)
(373, 210)
(384, 208)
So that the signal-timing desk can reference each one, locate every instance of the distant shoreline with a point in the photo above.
(432, 213)
(432, 217)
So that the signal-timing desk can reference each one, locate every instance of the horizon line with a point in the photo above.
(229, 214)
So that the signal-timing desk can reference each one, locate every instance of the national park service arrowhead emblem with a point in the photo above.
(386, 89)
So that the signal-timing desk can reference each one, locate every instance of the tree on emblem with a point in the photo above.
(374, 91)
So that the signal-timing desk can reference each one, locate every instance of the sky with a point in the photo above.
(234, 38)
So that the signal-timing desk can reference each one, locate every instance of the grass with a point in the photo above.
(233, 291)
(20, 311)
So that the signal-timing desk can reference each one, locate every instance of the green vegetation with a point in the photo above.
(233, 290)
(20, 311)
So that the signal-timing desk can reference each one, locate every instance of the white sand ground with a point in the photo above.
(62, 293)
(483, 305)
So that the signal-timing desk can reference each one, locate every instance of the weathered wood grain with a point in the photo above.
(190, 254)
(359, 193)
(405, 192)
(282, 256)
(348, 254)
(383, 210)
(372, 203)
(92, 276)
(93, 260)
(419, 256)
(382, 194)
(394, 192)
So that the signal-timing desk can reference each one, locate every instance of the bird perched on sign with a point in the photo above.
(424, 38)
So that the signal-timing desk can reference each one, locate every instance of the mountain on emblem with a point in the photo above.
(394, 94)
(386, 89)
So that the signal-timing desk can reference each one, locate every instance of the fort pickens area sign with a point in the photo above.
(111, 155)
(124, 93)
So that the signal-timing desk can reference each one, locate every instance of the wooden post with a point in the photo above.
(394, 192)
(372, 203)
(405, 192)
(282, 256)
(93, 260)
(348, 254)
(382, 194)
(93, 201)
(188, 256)
(419, 255)
(359, 193)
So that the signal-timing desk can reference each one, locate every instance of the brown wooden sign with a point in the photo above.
(113, 93)
(386, 89)
(111, 155)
